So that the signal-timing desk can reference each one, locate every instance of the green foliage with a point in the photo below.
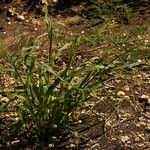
(103, 9)
(49, 94)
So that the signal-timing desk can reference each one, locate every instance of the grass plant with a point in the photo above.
(47, 95)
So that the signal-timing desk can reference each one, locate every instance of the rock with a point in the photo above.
(9, 23)
(82, 32)
(136, 92)
(124, 138)
(141, 118)
(145, 100)
(141, 136)
(20, 17)
(72, 146)
(148, 101)
(137, 139)
(140, 144)
(147, 128)
(11, 12)
(45, 2)
(145, 97)
(55, 1)
(51, 146)
(127, 97)
(15, 142)
(138, 124)
(120, 93)
(127, 88)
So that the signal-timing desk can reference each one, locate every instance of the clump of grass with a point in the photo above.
(46, 95)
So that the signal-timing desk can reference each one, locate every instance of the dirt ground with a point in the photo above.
(111, 123)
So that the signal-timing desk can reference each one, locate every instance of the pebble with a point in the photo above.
(128, 142)
(55, 1)
(20, 17)
(136, 92)
(137, 139)
(147, 128)
(127, 88)
(72, 145)
(11, 11)
(144, 96)
(141, 119)
(143, 123)
(124, 138)
(138, 125)
(15, 142)
(120, 93)
(82, 32)
(140, 144)
(9, 23)
(142, 136)
(51, 146)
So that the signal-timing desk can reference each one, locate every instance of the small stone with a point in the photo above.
(141, 119)
(147, 128)
(137, 139)
(124, 138)
(139, 37)
(127, 97)
(45, 2)
(54, 137)
(80, 121)
(83, 111)
(20, 17)
(128, 142)
(72, 145)
(136, 92)
(139, 60)
(140, 144)
(143, 123)
(55, 1)
(82, 32)
(138, 125)
(145, 97)
(11, 12)
(9, 23)
(51, 146)
(114, 139)
(120, 93)
(146, 41)
(148, 101)
(15, 142)
(142, 136)
(127, 88)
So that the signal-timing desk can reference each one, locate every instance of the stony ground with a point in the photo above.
(117, 121)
